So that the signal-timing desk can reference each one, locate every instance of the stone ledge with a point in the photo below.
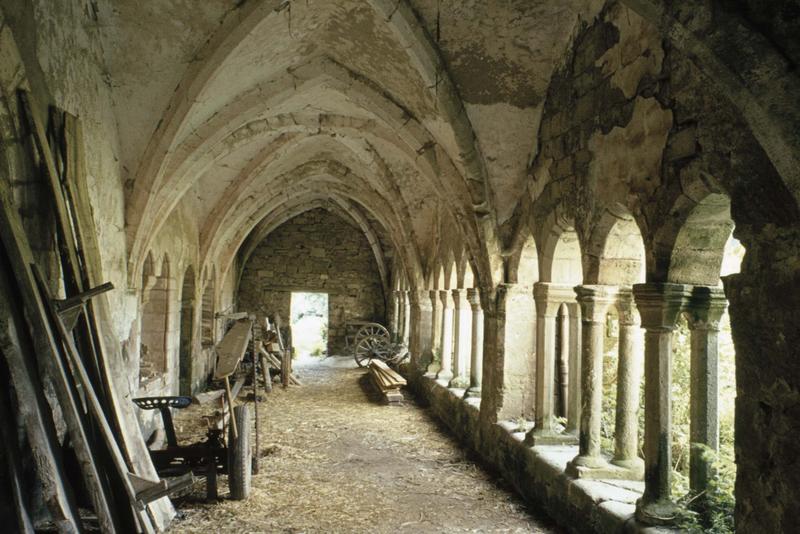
(538, 473)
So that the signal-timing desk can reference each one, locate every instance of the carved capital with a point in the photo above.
(595, 300)
(474, 298)
(549, 297)
(705, 308)
(660, 304)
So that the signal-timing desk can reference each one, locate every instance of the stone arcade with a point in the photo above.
(534, 195)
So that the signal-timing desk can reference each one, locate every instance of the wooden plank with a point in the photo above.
(21, 258)
(8, 432)
(92, 401)
(34, 412)
(256, 359)
(230, 407)
(231, 349)
(285, 369)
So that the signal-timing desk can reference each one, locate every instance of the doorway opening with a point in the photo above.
(309, 320)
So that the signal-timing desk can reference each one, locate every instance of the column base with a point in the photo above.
(459, 382)
(444, 378)
(663, 512)
(598, 468)
(536, 438)
(433, 368)
(635, 466)
(473, 392)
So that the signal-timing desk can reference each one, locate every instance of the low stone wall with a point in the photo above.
(537, 473)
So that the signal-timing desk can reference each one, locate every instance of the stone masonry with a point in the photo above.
(315, 251)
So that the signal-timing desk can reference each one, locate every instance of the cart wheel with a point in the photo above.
(371, 330)
(367, 349)
(239, 454)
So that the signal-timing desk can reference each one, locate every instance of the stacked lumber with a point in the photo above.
(387, 381)
(280, 363)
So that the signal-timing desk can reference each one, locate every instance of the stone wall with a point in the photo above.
(315, 251)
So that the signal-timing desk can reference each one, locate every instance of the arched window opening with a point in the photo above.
(704, 379)
(621, 264)
(154, 323)
(610, 368)
(561, 365)
(186, 349)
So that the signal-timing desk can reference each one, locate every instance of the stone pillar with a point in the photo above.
(629, 374)
(436, 331)
(705, 308)
(421, 331)
(659, 305)
(395, 323)
(461, 339)
(406, 317)
(574, 392)
(446, 372)
(594, 301)
(476, 352)
(548, 298)
(508, 385)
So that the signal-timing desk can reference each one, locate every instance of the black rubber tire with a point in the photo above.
(240, 462)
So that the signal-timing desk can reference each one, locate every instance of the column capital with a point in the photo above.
(626, 307)
(659, 304)
(706, 306)
(513, 289)
(446, 298)
(459, 298)
(474, 298)
(595, 301)
(423, 300)
(549, 296)
(433, 294)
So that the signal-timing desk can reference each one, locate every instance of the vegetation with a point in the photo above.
(712, 511)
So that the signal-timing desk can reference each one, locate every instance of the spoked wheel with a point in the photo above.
(369, 348)
(371, 329)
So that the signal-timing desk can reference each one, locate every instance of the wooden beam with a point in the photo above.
(21, 259)
(231, 349)
(34, 411)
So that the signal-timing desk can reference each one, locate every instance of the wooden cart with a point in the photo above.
(222, 452)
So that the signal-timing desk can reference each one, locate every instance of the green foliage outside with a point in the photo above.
(712, 512)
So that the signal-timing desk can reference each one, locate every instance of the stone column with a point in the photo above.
(574, 392)
(395, 324)
(406, 317)
(659, 305)
(421, 333)
(436, 331)
(705, 308)
(594, 301)
(548, 298)
(629, 374)
(461, 339)
(476, 352)
(446, 372)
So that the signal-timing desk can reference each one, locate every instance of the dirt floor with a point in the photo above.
(335, 460)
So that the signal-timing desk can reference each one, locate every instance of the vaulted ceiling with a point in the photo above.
(401, 113)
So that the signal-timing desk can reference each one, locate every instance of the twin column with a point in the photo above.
(595, 302)
(660, 305)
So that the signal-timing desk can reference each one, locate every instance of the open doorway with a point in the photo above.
(309, 319)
